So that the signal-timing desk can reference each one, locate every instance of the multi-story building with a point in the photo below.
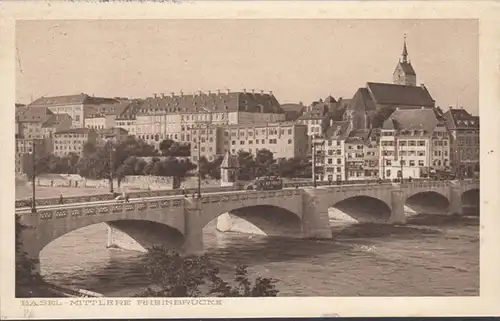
(72, 140)
(284, 139)
(330, 152)
(355, 154)
(24, 150)
(464, 134)
(77, 106)
(371, 152)
(209, 138)
(29, 122)
(408, 141)
(116, 134)
(174, 116)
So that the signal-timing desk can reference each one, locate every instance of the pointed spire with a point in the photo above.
(405, 51)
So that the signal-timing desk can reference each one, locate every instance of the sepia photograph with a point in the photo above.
(234, 158)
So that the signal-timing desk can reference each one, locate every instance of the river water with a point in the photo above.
(436, 256)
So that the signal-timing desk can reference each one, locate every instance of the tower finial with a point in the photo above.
(405, 51)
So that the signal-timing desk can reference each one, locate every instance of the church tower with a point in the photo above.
(404, 73)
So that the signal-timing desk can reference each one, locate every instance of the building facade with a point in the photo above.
(465, 144)
(330, 152)
(71, 141)
(413, 142)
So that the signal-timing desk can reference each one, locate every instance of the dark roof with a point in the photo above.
(79, 131)
(330, 99)
(407, 68)
(70, 100)
(358, 136)
(338, 130)
(400, 95)
(101, 110)
(460, 119)
(412, 119)
(55, 119)
(362, 101)
(111, 131)
(292, 111)
(29, 114)
(215, 102)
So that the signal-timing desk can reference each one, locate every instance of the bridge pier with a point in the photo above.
(397, 207)
(315, 220)
(193, 237)
(455, 200)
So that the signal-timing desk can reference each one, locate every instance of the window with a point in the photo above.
(339, 161)
(421, 153)
(250, 142)
(289, 132)
(388, 163)
(412, 163)
(289, 141)
(330, 161)
(420, 163)
(388, 173)
(421, 143)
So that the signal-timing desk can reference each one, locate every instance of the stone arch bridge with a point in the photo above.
(177, 221)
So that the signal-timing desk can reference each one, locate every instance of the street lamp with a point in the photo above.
(111, 162)
(199, 146)
(33, 159)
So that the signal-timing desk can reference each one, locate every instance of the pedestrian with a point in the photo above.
(61, 200)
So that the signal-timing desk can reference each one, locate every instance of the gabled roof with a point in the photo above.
(400, 95)
(292, 111)
(460, 119)
(29, 114)
(338, 130)
(70, 100)
(412, 119)
(56, 119)
(407, 68)
(362, 101)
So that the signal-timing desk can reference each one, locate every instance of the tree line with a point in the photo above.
(134, 156)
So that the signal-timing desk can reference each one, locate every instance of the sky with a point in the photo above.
(298, 60)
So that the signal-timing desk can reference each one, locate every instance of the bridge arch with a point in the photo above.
(144, 231)
(471, 201)
(427, 202)
(361, 209)
(264, 219)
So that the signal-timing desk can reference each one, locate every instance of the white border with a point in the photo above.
(487, 12)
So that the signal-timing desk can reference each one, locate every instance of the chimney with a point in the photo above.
(262, 91)
(209, 92)
(271, 92)
(228, 90)
(182, 94)
(162, 95)
(244, 91)
(218, 91)
(200, 92)
(172, 94)
(253, 91)
(154, 95)
(450, 107)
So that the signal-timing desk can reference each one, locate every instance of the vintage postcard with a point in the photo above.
(232, 159)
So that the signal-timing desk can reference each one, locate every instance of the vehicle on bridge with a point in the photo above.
(265, 183)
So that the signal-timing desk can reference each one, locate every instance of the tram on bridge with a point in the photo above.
(265, 183)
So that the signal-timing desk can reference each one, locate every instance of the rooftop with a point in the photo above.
(78, 131)
(338, 130)
(78, 99)
(29, 114)
(412, 119)
(400, 95)
(458, 118)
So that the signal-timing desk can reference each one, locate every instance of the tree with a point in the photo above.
(193, 276)
(165, 146)
(27, 279)
(263, 161)
(247, 165)
(205, 166)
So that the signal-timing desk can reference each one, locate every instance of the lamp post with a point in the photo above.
(33, 159)
(199, 146)
(111, 164)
